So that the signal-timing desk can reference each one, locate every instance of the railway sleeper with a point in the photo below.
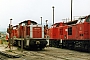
(9, 55)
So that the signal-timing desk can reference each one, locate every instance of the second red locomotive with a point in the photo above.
(73, 35)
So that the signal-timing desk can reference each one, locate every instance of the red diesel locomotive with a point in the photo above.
(31, 33)
(73, 35)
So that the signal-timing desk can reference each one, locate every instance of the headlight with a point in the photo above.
(37, 42)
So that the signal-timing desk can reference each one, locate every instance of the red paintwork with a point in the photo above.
(80, 31)
(89, 30)
(7, 36)
(22, 31)
(86, 30)
(74, 33)
(28, 30)
(65, 32)
(37, 32)
(55, 34)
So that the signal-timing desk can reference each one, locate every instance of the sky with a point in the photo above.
(20, 10)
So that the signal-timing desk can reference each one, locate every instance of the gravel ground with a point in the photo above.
(52, 53)
(3, 57)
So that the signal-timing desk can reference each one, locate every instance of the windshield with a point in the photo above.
(88, 19)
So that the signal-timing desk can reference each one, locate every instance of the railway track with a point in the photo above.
(61, 54)
(46, 54)
(64, 57)
(54, 54)
(3, 57)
